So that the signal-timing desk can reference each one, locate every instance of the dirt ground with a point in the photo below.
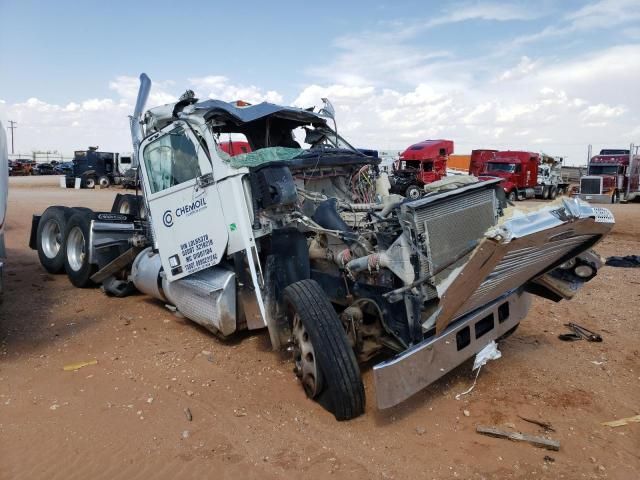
(124, 417)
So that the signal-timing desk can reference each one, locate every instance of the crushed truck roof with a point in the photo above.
(246, 114)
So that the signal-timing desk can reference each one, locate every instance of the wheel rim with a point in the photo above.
(304, 357)
(51, 239)
(414, 193)
(104, 182)
(76, 248)
(91, 183)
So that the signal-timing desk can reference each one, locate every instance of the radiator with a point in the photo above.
(448, 224)
(591, 185)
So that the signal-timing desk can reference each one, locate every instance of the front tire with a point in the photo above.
(512, 197)
(77, 248)
(412, 192)
(325, 362)
(50, 238)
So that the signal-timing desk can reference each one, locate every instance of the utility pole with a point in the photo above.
(12, 127)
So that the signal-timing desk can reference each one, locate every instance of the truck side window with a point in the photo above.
(171, 160)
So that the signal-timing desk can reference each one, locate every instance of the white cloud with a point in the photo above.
(104, 121)
(604, 14)
(599, 15)
(127, 88)
(97, 104)
(484, 11)
(219, 87)
(524, 67)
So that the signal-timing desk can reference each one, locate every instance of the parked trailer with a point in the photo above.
(309, 244)
(612, 177)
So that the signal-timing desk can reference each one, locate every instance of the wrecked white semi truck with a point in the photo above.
(308, 243)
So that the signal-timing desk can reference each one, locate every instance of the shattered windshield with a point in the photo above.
(277, 139)
(603, 169)
(500, 167)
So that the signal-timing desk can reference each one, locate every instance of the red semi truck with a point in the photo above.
(612, 177)
(419, 164)
(524, 174)
(478, 159)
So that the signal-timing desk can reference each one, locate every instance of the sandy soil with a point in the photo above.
(125, 416)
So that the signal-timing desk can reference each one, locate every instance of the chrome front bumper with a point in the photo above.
(595, 197)
(402, 376)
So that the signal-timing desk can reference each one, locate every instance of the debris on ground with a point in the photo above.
(579, 332)
(545, 425)
(623, 421)
(629, 261)
(541, 442)
(490, 352)
(187, 413)
(75, 366)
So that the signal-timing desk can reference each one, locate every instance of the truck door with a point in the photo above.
(183, 201)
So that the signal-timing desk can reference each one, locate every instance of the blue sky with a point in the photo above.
(550, 76)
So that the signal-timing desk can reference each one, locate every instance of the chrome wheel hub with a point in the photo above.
(305, 359)
(76, 249)
(51, 240)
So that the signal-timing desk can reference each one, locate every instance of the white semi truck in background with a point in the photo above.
(309, 243)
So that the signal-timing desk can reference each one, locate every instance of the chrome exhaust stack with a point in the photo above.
(135, 121)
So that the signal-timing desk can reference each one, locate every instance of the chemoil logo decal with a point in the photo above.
(184, 211)
(167, 219)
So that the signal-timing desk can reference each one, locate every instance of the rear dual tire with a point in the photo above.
(129, 204)
(89, 182)
(50, 238)
(77, 250)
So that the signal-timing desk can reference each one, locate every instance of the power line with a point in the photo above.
(12, 128)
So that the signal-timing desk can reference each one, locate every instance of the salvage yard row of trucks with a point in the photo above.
(523, 174)
(613, 174)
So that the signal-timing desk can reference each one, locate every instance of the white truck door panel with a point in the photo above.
(184, 202)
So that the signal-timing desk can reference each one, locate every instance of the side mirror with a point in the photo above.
(327, 109)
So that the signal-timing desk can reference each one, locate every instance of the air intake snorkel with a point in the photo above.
(135, 120)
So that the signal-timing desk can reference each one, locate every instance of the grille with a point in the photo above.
(603, 215)
(519, 266)
(453, 225)
(590, 185)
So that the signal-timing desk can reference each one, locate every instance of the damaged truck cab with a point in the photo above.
(308, 242)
